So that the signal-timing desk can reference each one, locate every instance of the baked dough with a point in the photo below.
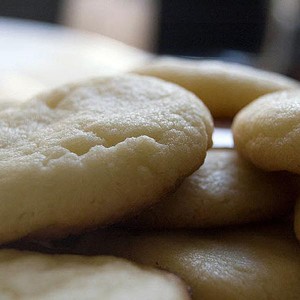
(224, 87)
(267, 131)
(225, 190)
(252, 263)
(87, 154)
(34, 276)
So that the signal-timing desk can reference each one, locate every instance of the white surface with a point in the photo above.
(222, 138)
(35, 56)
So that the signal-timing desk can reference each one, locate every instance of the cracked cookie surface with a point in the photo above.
(86, 154)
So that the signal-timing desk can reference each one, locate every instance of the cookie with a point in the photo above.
(85, 155)
(29, 275)
(224, 87)
(251, 263)
(267, 131)
(226, 190)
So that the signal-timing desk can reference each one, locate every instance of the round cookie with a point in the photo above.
(267, 131)
(34, 276)
(226, 190)
(224, 87)
(87, 154)
(251, 263)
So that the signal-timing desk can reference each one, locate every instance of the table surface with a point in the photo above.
(40, 55)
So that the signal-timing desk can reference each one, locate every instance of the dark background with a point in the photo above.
(193, 27)
(206, 27)
(233, 30)
(39, 10)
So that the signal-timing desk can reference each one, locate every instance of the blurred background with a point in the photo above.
(262, 33)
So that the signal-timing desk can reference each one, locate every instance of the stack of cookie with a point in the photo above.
(116, 168)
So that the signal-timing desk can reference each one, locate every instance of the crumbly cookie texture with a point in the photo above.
(34, 276)
(224, 87)
(258, 262)
(226, 190)
(267, 131)
(87, 154)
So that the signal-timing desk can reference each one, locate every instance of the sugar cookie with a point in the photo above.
(224, 87)
(225, 190)
(87, 154)
(34, 276)
(267, 131)
(252, 263)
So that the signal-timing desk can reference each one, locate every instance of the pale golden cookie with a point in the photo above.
(267, 131)
(224, 87)
(225, 190)
(255, 263)
(34, 276)
(87, 154)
